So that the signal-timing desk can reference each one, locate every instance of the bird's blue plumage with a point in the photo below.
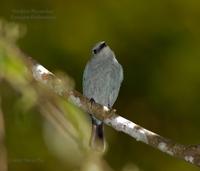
(102, 77)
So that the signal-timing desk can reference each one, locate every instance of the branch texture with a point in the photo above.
(189, 153)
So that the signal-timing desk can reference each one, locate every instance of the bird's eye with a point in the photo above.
(99, 47)
(95, 51)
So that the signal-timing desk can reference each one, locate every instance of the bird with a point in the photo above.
(102, 78)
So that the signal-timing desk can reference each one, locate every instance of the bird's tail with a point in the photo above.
(97, 141)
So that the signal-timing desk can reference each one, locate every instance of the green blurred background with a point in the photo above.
(157, 43)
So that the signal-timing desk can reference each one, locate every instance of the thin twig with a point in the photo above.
(189, 153)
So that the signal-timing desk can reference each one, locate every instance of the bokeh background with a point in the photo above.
(157, 43)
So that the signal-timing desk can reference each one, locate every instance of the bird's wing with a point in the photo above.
(85, 79)
(102, 82)
(116, 78)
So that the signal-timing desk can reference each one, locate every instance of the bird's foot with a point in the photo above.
(111, 109)
(111, 112)
(92, 101)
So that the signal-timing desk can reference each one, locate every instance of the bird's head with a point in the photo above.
(101, 48)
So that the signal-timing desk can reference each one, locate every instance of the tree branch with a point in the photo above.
(189, 153)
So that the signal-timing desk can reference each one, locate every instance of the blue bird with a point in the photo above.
(102, 79)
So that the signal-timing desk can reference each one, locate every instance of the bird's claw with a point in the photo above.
(92, 101)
